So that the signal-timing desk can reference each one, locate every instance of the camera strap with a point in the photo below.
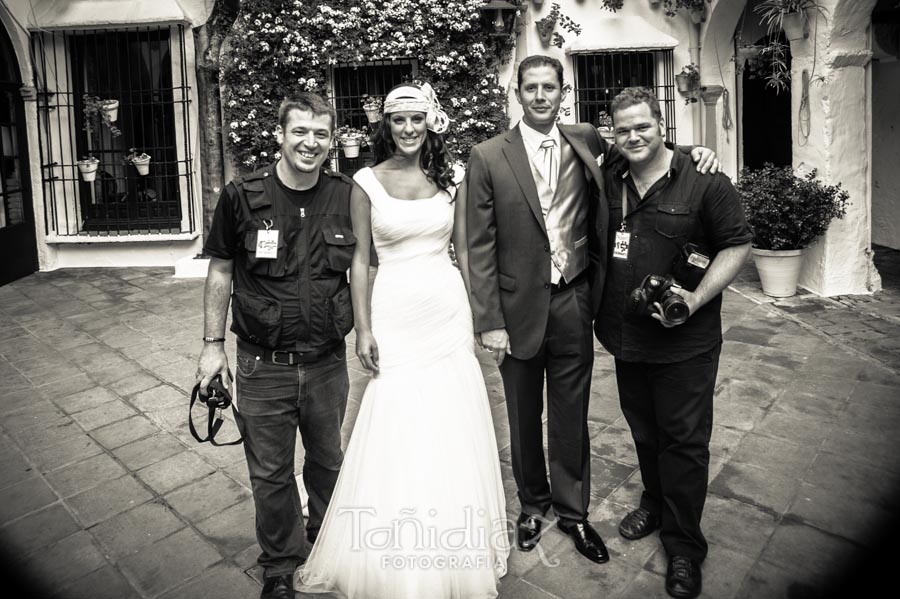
(216, 402)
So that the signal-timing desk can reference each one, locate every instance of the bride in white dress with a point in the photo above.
(418, 511)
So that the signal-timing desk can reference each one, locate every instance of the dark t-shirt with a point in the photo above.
(223, 239)
(683, 206)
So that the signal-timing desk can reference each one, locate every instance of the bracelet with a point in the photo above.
(213, 339)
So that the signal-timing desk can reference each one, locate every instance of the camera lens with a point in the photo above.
(675, 309)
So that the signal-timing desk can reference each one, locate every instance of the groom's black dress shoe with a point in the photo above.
(638, 524)
(528, 531)
(587, 540)
(683, 577)
(278, 587)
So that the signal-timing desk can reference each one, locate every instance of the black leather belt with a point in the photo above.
(562, 285)
(284, 357)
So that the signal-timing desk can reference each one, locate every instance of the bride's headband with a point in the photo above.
(418, 99)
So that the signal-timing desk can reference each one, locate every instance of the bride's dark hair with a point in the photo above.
(435, 158)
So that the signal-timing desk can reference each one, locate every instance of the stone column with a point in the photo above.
(710, 95)
(830, 133)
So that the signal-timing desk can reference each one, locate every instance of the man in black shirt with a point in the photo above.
(281, 244)
(667, 220)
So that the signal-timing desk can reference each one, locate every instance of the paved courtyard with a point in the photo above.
(103, 493)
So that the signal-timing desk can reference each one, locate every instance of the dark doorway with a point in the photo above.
(766, 121)
(18, 247)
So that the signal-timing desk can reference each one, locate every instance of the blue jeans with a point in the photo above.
(275, 401)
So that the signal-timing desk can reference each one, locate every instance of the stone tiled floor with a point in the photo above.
(103, 493)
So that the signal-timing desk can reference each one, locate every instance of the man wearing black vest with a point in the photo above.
(281, 244)
(667, 221)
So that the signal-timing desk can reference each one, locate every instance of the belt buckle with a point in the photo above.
(290, 354)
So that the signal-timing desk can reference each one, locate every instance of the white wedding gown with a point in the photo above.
(418, 511)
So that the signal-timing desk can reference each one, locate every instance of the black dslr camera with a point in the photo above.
(689, 266)
(655, 288)
(216, 402)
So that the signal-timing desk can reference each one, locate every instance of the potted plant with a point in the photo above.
(111, 108)
(140, 161)
(696, 8)
(688, 80)
(107, 111)
(546, 24)
(372, 107)
(605, 127)
(790, 16)
(787, 213)
(87, 166)
(351, 139)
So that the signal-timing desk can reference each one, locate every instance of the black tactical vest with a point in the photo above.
(299, 300)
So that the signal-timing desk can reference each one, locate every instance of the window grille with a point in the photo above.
(600, 77)
(145, 70)
(348, 86)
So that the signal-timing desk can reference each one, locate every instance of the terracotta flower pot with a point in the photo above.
(779, 270)
(683, 83)
(608, 134)
(88, 169)
(350, 147)
(373, 115)
(111, 108)
(698, 15)
(794, 25)
(142, 164)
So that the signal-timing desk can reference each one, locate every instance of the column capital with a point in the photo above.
(710, 94)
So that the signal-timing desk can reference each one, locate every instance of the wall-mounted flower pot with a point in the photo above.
(608, 134)
(88, 168)
(142, 164)
(545, 29)
(698, 15)
(373, 115)
(111, 108)
(779, 270)
(683, 83)
(350, 147)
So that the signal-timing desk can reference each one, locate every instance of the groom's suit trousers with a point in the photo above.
(567, 355)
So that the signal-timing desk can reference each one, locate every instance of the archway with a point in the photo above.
(18, 245)
(886, 124)
(765, 108)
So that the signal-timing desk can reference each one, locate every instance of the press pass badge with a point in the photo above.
(267, 241)
(699, 260)
(620, 247)
(623, 237)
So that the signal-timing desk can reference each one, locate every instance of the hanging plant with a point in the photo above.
(140, 161)
(106, 111)
(671, 6)
(546, 26)
(775, 13)
(87, 166)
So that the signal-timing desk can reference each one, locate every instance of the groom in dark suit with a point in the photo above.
(537, 220)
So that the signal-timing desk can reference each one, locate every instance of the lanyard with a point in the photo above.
(624, 204)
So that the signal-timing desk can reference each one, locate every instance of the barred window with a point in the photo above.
(349, 86)
(599, 77)
(107, 94)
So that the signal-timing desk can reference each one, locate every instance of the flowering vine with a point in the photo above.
(282, 46)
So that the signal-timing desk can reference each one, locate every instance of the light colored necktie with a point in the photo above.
(549, 170)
